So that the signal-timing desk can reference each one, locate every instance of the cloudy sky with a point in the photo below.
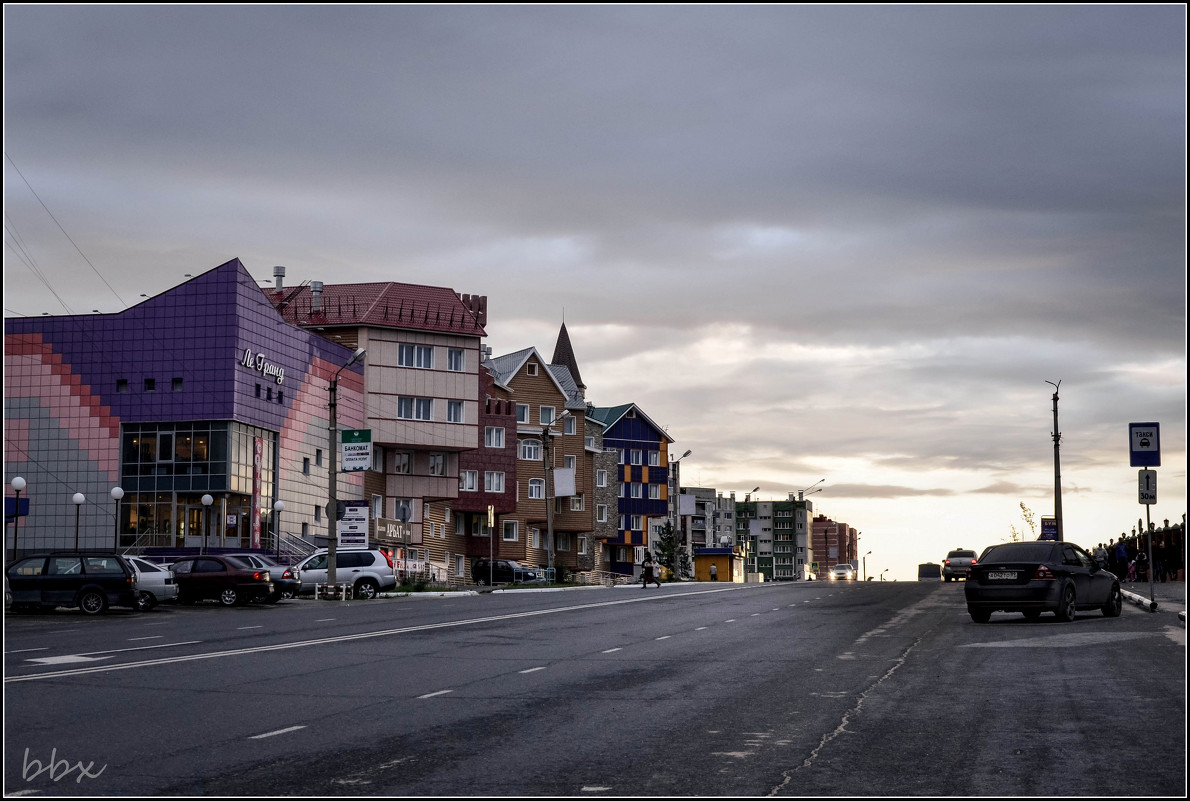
(850, 243)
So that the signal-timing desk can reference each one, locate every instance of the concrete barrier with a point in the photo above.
(1143, 603)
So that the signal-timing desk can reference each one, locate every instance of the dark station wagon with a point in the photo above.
(91, 581)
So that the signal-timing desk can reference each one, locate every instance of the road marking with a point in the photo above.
(611, 650)
(324, 619)
(755, 614)
(258, 649)
(26, 650)
(65, 660)
(142, 648)
(431, 695)
(1074, 640)
(666, 637)
(730, 621)
(245, 628)
(531, 670)
(275, 733)
(154, 637)
(700, 628)
(594, 789)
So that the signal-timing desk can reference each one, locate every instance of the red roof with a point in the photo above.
(383, 305)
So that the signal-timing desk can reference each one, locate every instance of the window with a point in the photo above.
(637, 491)
(530, 450)
(568, 425)
(655, 492)
(468, 480)
(378, 460)
(415, 408)
(150, 385)
(654, 458)
(636, 523)
(399, 462)
(377, 506)
(306, 466)
(317, 514)
(493, 437)
(455, 361)
(318, 457)
(582, 546)
(623, 490)
(546, 415)
(563, 540)
(601, 513)
(601, 478)
(121, 385)
(537, 488)
(522, 413)
(510, 531)
(636, 457)
(576, 503)
(493, 482)
(535, 538)
(437, 464)
(419, 356)
(454, 411)
(568, 462)
(459, 570)
(531, 368)
(176, 385)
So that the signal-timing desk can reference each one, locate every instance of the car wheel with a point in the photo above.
(980, 615)
(1065, 610)
(366, 589)
(229, 597)
(1032, 614)
(287, 595)
(92, 602)
(1115, 602)
(145, 601)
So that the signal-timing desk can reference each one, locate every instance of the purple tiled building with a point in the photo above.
(202, 390)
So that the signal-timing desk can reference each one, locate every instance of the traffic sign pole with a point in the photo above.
(1144, 450)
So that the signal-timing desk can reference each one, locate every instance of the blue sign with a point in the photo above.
(10, 508)
(1049, 528)
(1144, 444)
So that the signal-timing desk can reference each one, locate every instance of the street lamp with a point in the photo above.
(882, 573)
(18, 484)
(79, 499)
(675, 488)
(278, 508)
(207, 500)
(117, 494)
(332, 508)
(547, 437)
(866, 565)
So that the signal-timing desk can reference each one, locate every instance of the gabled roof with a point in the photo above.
(386, 304)
(505, 367)
(610, 415)
(574, 396)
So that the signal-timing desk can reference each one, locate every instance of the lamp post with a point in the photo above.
(547, 437)
(79, 499)
(753, 546)
(207, 500)
(882, 573)
(674, 490)
(1057, 435)
(117, 494)
(278, 508)
(866, 565)
(18, 484)
(332, 508)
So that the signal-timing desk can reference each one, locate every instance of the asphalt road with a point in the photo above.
(695, 689)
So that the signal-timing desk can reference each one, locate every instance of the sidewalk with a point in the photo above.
(1170, 596)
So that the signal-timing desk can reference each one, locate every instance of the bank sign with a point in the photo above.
(356, 449)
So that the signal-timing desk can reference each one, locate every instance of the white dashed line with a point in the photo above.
(275, 733)
(154, 637)
(245, 628)
(666, 637)
(611, 650)
(531, 670)
(431, 695)
(700, 628)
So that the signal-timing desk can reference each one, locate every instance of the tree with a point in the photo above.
(1026, 513)
(668, 548)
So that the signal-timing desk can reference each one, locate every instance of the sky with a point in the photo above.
(851, 243)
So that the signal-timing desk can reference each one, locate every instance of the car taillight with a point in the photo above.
(287, 574)
(946, 561)
(388, 558)
(1043, 574)
(260, 576)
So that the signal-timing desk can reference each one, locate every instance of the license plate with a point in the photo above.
(1002, 575)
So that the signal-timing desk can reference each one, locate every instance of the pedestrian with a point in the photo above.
(714, 572)
(1101, 556)
(1121, 554)
(649, 568)
(1142, 565)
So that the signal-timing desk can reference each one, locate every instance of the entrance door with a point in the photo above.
(192, 522)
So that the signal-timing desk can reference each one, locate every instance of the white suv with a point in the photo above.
(368, 572)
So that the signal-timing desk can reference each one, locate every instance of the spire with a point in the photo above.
(564, 355)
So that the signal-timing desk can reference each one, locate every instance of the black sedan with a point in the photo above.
(1041, 576)
(227, 579)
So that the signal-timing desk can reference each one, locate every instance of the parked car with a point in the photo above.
(286, 579)
(957, 564)
(842, 572)
(1040, 576)
(91, 581)
(226, 579)
(504, 571)
(154, 583)
(368, 572)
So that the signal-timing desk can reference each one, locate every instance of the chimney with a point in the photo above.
(279, 275)
(315, 297)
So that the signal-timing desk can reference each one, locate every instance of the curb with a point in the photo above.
(1143, 603)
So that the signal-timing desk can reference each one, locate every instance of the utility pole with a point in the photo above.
(1057, 465)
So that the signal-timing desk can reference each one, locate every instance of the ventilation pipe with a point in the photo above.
(279, 275)
(315, 296)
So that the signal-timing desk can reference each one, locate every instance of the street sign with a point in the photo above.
(353, 526)
(356, 447)
(1049, 528)
(1144, 440)
(1147, 481)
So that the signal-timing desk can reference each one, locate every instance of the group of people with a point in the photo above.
(649, 571)
(1130, 562)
